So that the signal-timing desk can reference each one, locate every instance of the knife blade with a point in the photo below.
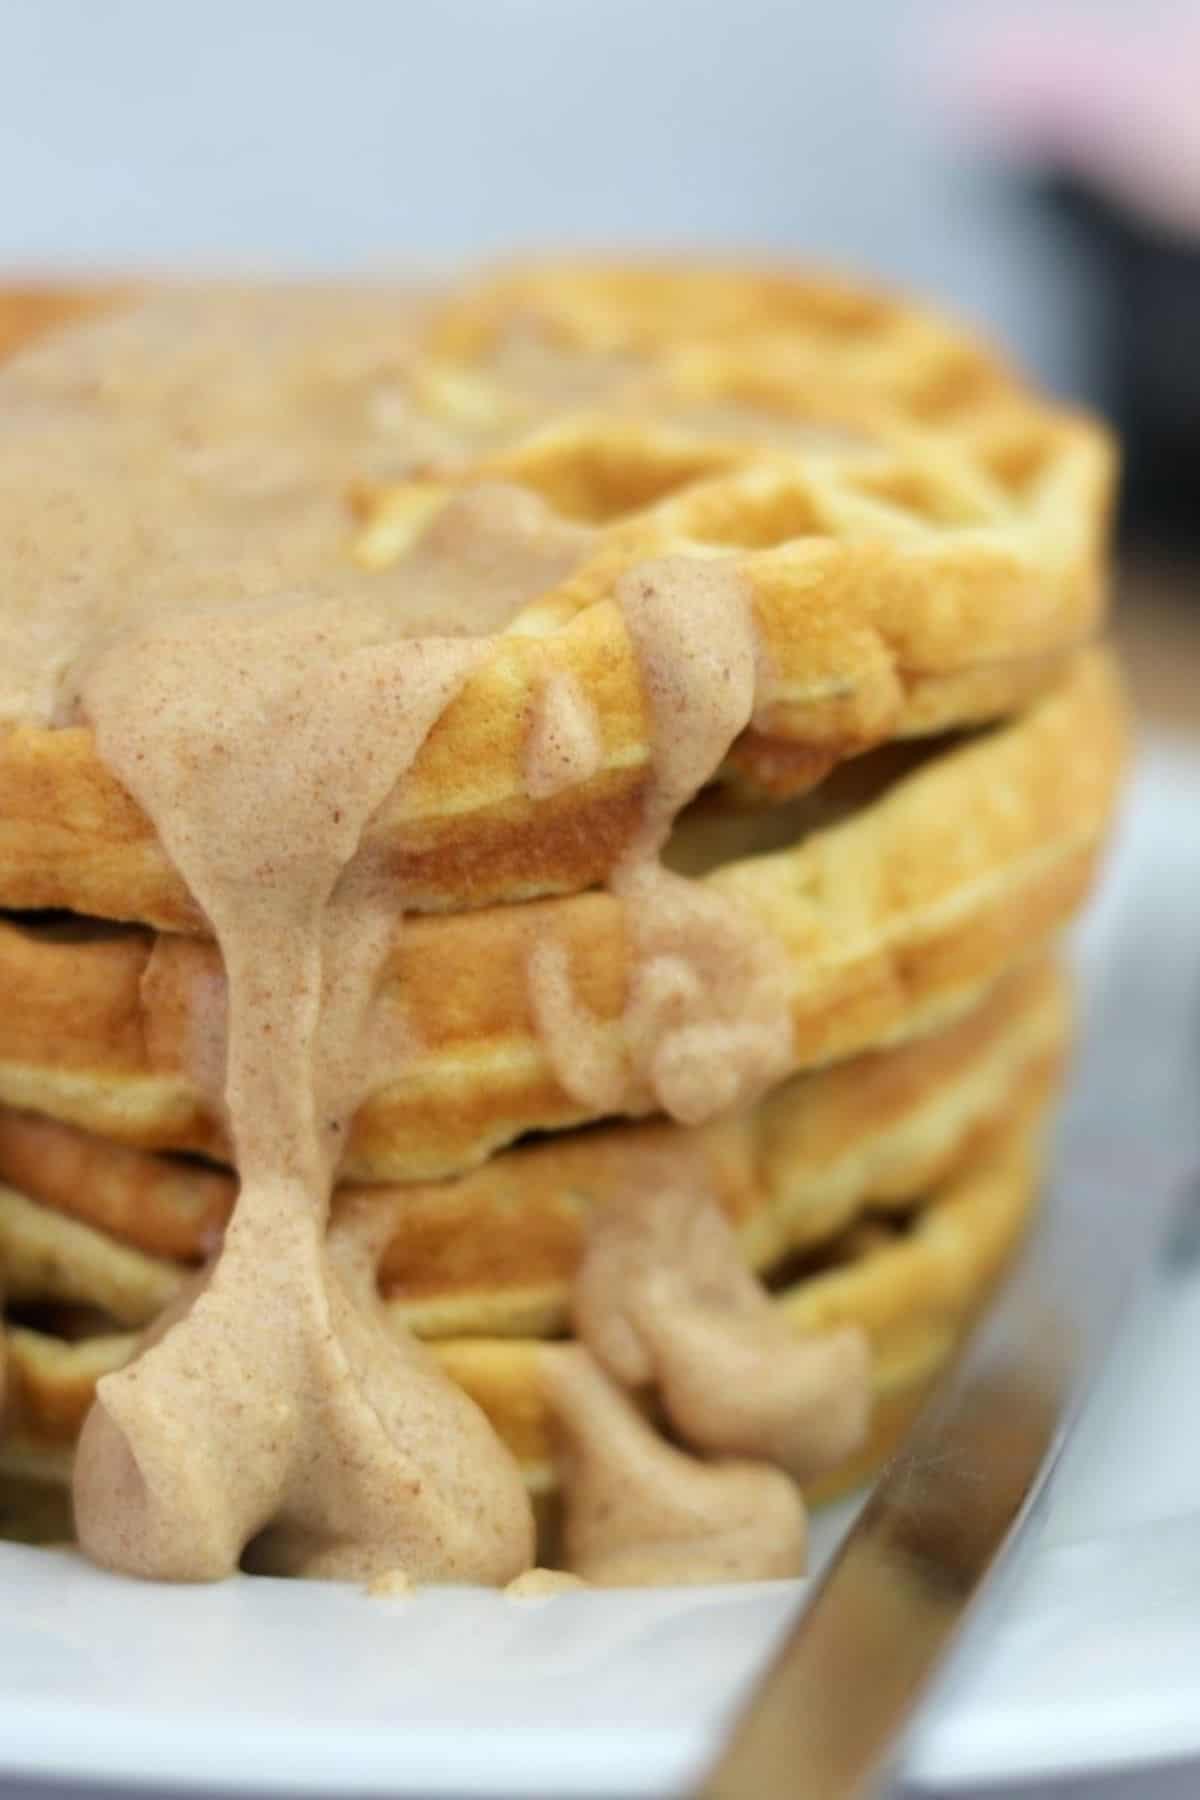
(828, 1717)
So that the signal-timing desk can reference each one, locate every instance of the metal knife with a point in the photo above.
(829, 1715)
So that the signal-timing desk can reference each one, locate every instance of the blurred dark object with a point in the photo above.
(1149, 316)
(1157, 629)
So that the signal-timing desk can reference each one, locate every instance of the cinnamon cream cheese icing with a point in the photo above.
(173, 548)
(563, 747)
(706, 1026)
(663, 1298)
(641, 1513)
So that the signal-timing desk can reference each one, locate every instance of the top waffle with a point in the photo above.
(921, 536)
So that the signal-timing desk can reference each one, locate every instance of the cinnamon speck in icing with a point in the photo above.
(176, 576)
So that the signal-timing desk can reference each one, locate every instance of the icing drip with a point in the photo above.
(641, 1513)
(563, 747)
(664, 1297)
(706, 1025)
(662, 1302)
(273, 1401)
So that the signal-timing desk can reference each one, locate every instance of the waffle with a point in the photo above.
(85, 1222)
(661, 502)
(923, 538)
(893, 920)
(33, 311)
(911, 1279)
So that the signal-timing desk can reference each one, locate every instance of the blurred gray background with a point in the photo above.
(289, 133)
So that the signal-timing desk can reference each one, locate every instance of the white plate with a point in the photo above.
(1092, 1659)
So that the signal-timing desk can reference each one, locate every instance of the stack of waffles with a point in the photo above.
(839, 1042)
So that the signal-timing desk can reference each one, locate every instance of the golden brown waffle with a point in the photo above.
(34, 310)
(84, 1222)
(892, 920)
(716, 333)
(911, 1281)
(922, 541)
(922, 536)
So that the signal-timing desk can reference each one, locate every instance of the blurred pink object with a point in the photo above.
(1117, 106)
